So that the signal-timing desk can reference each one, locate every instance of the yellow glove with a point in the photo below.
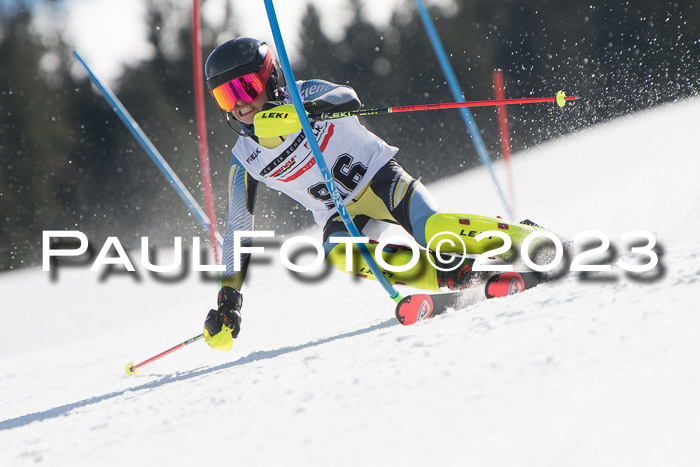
(223, 325)
(222, 340)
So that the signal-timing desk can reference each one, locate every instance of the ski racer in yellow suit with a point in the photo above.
(243, 77)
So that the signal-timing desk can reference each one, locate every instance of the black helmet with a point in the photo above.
(238, 57)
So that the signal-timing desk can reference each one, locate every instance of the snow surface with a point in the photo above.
(579, 372)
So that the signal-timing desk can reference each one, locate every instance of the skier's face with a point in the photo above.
(244, 112)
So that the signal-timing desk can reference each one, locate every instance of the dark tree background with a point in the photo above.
(67, 162)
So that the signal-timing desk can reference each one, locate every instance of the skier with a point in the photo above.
(244, 78)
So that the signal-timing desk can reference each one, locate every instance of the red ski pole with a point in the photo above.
(131, 368)
(283, 120)
(560, 100)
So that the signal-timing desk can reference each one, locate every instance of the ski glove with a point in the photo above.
(278, 119)
(224, 324)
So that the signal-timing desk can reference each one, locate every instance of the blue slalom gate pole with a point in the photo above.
(318, 155)
(151, 150)
(457, 94)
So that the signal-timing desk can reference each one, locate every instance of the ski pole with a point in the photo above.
(560, 99)
(131, 368)
(283, 120)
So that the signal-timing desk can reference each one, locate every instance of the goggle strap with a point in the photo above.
(268, 66)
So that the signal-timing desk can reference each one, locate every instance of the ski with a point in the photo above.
(418, 307)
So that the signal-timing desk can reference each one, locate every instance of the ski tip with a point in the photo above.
(504, 284)
(414, 308)
(129, 369)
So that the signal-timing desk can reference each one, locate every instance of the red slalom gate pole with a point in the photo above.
(202, 125)
(504, 133)
(131, 368)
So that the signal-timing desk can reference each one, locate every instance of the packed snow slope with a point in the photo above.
(598, 370)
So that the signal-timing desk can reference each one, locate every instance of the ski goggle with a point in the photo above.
(246, 88)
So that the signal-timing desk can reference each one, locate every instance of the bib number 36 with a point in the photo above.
(346, 174)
